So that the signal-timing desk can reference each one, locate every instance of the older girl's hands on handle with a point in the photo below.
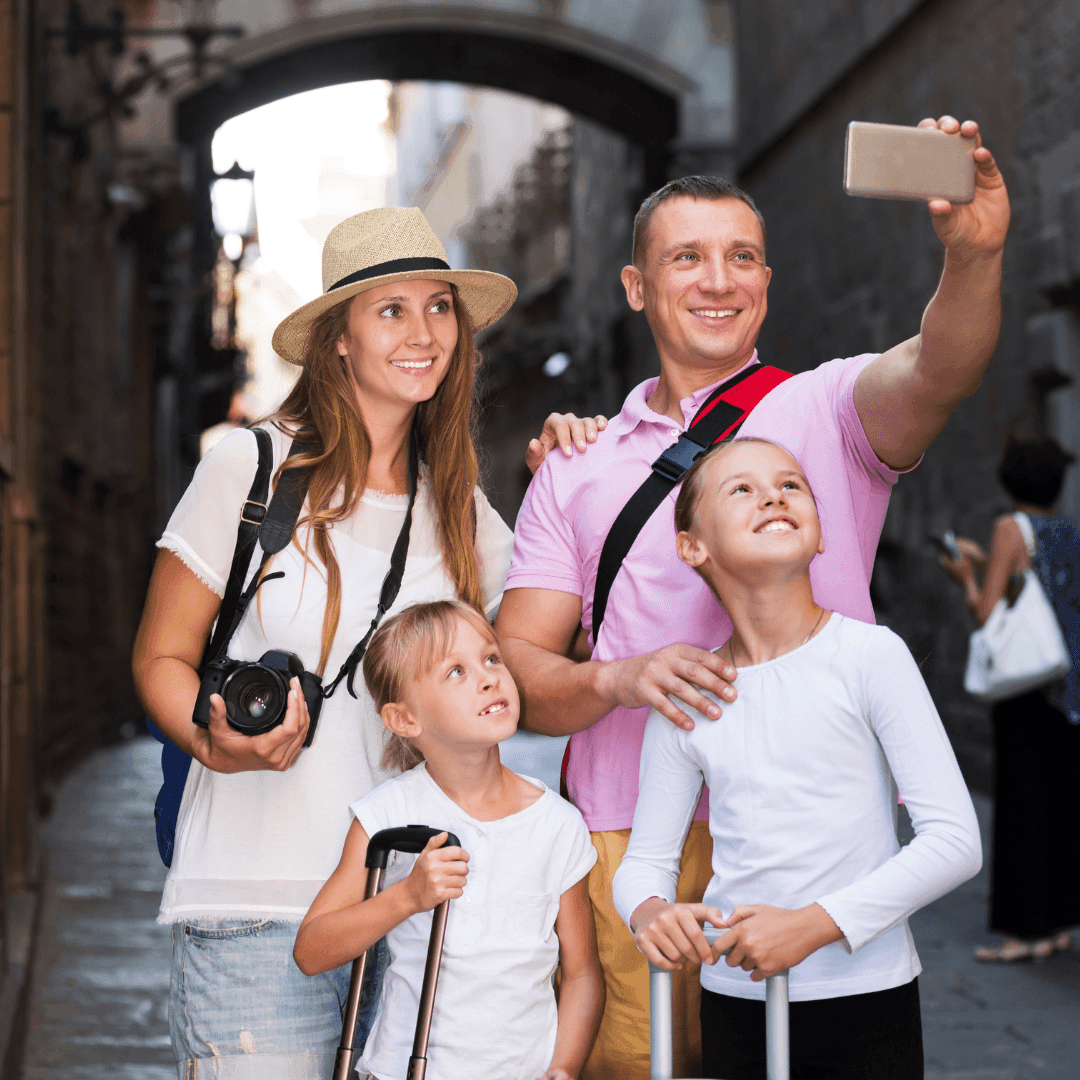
(225, 750)
(670, 934)
(566, 431)
(763, 939)
(438, 874)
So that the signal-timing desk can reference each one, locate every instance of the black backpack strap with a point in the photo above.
(252, 514)
(720, 416)
(392, 582)
(274, 527)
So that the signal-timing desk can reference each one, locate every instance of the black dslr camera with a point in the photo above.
(256, 692)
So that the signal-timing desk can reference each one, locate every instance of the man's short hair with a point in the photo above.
(712, 188)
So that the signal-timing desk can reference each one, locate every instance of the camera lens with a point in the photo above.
(255, 699)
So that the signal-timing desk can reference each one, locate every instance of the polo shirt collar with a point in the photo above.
(636, 411)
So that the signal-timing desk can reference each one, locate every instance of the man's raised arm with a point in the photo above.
(906, 395)
(559, 696)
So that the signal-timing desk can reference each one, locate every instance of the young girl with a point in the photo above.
(801, 773)
(518, 886)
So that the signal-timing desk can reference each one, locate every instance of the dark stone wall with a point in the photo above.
(96, 253)
(853, 275)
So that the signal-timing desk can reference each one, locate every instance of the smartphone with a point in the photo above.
(887, 161)
(946, 543)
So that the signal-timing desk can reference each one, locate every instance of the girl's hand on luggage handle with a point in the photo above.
(677, 670)
(223, 749)
(763, 939)
(438, 874)
(670, 934)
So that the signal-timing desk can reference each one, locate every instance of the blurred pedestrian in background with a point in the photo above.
(1033, 899)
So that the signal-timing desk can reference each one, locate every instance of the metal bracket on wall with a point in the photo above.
(79, 34)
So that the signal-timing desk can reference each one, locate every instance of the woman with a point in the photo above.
(387, 349)
(1037, 735)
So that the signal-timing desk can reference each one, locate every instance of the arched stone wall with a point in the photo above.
(661, 73)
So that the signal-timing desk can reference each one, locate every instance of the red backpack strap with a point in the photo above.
(720, 416)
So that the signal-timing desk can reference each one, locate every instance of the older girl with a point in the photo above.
(802, 771)
(387, 349)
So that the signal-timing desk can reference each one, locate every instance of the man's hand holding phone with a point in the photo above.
(976, 228)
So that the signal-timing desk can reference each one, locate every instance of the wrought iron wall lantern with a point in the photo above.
(81, 34)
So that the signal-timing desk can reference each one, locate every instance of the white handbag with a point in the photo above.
(1020, 647)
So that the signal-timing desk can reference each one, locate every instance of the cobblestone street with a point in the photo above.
(101, 966)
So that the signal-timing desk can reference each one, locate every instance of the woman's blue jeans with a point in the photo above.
(240, 1008)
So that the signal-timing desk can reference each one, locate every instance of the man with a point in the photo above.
(700, 275)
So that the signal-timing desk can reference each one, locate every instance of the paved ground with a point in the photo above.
(100, 982)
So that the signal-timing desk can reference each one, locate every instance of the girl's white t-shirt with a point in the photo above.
(495, 1015)
(262, 843)
(802, 770)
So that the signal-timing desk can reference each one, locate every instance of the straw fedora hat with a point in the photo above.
(393, 243)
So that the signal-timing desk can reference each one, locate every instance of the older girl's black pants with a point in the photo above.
(875, 1036)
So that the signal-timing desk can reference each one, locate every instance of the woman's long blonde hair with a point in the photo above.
(321, 411)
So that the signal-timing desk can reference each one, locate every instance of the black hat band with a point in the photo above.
(394, 266)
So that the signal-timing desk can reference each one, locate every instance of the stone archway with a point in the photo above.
(601, 58)
(662, 75)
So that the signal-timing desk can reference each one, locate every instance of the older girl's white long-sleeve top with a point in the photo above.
(802, 771)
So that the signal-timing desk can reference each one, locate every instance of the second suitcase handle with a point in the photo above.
(412, 839)
(661, 1022)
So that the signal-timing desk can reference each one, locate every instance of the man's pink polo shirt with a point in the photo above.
(657, 600)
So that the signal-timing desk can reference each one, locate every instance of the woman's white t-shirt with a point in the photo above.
(262, 843)
(495, 1015)
(802, 770)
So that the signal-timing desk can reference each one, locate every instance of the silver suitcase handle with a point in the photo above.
(777, 1044)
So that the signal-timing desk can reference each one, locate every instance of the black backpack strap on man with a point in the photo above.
(720, 417)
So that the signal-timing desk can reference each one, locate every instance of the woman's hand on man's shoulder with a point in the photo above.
(566, 431)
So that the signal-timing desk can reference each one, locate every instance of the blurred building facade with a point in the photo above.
(81, 295)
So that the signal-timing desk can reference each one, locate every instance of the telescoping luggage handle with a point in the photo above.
(777, 1050)
(412, 839)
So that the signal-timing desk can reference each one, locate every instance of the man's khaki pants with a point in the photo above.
(621, 1050)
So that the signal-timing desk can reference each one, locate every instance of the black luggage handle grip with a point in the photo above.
(409, 838)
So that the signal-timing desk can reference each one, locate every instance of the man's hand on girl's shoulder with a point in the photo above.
(676, 670)
(557, 1074)
(763, 939)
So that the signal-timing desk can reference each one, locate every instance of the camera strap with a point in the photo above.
(392, 582)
